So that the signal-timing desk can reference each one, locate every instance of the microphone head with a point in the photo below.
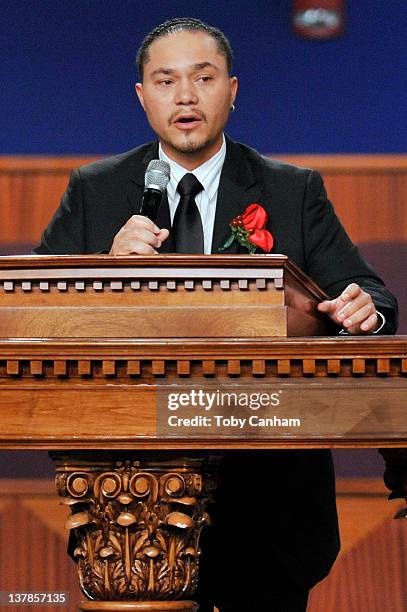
(157, 175)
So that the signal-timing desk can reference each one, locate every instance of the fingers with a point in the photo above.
(351, 292)
(163, 235)
(327, 306)
(353, 309)
(334, 307)
(139, 235)
(371, 323)
(363, 320)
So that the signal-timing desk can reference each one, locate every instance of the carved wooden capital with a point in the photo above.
(135, 525)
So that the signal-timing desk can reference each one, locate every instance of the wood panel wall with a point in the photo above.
(369, 193)
(33, 543)
(369, 574)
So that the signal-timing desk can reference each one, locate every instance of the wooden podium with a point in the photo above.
(131, 369)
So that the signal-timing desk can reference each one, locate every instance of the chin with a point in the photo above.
(191, 147)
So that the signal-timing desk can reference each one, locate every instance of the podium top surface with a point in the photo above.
(235, 264)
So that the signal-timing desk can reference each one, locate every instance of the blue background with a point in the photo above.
(67, 76)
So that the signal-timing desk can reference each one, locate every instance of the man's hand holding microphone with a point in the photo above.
(140, 235)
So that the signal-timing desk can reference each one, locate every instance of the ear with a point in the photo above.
(233, 89)
(139, 92)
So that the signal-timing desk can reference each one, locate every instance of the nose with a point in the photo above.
(186, 93)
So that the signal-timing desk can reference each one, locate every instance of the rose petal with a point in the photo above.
(263, 239)
(254, 217)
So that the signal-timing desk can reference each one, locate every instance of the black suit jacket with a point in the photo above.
(102, 196)
(301, 516)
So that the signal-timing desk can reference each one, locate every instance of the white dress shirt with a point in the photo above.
(208, 174)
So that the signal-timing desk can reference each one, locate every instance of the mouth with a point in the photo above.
(187, 121)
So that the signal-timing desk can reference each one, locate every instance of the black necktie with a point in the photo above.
(187, 225)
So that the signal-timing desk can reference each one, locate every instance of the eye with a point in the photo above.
(205, 78)
(165, 82)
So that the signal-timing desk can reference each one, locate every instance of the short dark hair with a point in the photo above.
(177, 25)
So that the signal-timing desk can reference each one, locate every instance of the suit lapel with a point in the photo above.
(136, 183)
(237, 189)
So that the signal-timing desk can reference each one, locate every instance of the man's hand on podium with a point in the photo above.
(354, 310)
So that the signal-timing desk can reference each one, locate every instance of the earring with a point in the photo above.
(232, 108)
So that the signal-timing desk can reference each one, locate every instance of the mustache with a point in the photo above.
(172, 118)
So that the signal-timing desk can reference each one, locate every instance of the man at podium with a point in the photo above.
(267, 558)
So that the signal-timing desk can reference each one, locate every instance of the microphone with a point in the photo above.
(156, 179)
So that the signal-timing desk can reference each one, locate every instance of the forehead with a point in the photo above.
(184, 48)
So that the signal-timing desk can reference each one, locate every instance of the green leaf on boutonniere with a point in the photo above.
(228, 242)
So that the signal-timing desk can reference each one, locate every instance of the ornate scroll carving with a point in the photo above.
(135, 526)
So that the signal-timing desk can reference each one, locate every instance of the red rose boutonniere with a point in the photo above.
(248, 230)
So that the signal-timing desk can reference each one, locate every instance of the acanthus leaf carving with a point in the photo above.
(137, 532)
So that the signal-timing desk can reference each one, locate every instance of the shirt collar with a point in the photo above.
(206, 173)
